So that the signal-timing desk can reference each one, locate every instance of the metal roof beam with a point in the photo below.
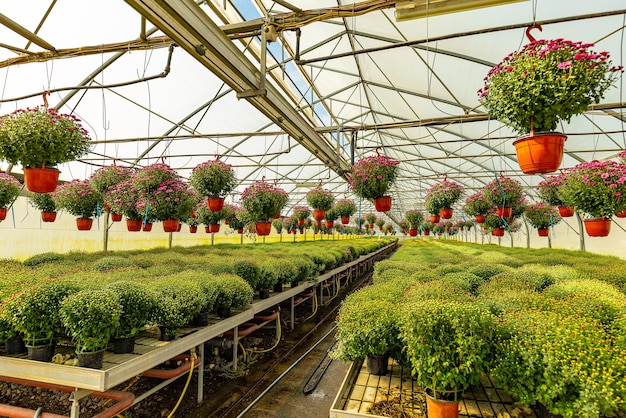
(187, 24)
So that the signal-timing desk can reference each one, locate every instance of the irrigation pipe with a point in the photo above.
(283, 374)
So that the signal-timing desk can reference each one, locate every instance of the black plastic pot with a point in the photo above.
(264, 294)
(377, 365)
(201, 320)
(41, 352)
(123, 345)
(278, 287)
(15, 345)
(223, 312)
(164, 334)
(92, 360)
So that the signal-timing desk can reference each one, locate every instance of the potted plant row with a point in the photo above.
(372, 177)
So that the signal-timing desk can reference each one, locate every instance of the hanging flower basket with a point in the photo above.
(263, 200)
(382, 204)
(213, 228)
(263, 228)
(48, 216)
(170, 225)
(435, 218)
(540, 153)
(445, 213)
(497, 232)
(599, 227)
(442, 196)
(319, 215)
(133, 225)
(84, 224)
(480, 219)
(372, 176)
(116, 217)
(566, 211)
(215, 204)
(543, 232)
(214, 179)
(147, 227)
(621, 214)
(545, 82)
(40, 138)
(413, 232)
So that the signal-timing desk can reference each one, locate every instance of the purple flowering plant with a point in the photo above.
(370, 218)
(546, 81)
(542, 215)
(77, 197)
(109, 176)
(596, 188)
(172, 199)
(503, 191)
(123, 198)
(301, 212)
(476, 204)
(41, 137)
(372, 176)
(263, 200)
(149, 178)
(213, 178)
(548, 189)
(9, 189)
(442, 195)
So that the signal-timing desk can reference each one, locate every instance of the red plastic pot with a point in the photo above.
(133, 225)
(598, 227)
(480, 219)
(318, 215)
(504, 212)
(3, 214)
(215, 203)
(446, 213)
(498, 232)
(147, 227)
(116, 217)
(345, 220)
(263, 228)
(382, 204)
(48, 216)
(566, 211)
(214, 228)
(41, 180)
(434, 218)
(193, 229)
(543, 232)
(170, 225)
(84, 224)
(540, 153)
(413, 232)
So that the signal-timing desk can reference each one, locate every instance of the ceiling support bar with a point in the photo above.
(22, 31)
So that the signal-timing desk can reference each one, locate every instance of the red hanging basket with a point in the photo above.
(240, 230)
(263, 228)
(504, 212)
(193, 229)
(621, 214)
(382, 204)
(498, 232)
(41, 180)
(214, 228)
(426, 233)
(480, 219)
(598, 227)
(318, 215)
(329, 224)
(446, 213)
(566, 211)
(434, 218)
(300, 222)
(216, 204)
(170, 225)
(147, 227)
(84, 224)
(133, 225)
(3, 214)
(543, 232)
(48, 216)
(540, 153)
(413, 232)
(116, 217)
(345, 220)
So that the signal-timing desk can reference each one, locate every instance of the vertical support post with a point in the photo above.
(240, 238)
(212, 238)
(105, 238)
(235, 346)
(201, 374)
(292, 313)
(550, 240)
(169, 241)
(581, 232)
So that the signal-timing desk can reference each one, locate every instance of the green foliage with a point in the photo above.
(487, 271)
(247, 270)
(372, 176)
(467, 281)
(345, 207)
(178, 301)
(263, 201)
(366, 326)
(34, 312)
(437, 290)
(42, 258)
(542, 215)
(137, 303)
(267, 278)
(232, 291)
(91, 317)
(111, 262)
(442, 195)
(42, 201)
(448, 343)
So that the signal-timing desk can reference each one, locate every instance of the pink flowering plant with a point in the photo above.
(105, 177)
(172, 199)
(476, 204)
(148, 178)
(503, 192)
(372, 176)
(596, 188)
(301, 212)
(263, 200)
(442, 195)
(548, 190)
(545, 82)
(77, 197)
(345, 207)
(123, 198)
(9, 190)
(542, 215)
(319, 198)
(622, 156)
(41, 137)
(213, 178)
